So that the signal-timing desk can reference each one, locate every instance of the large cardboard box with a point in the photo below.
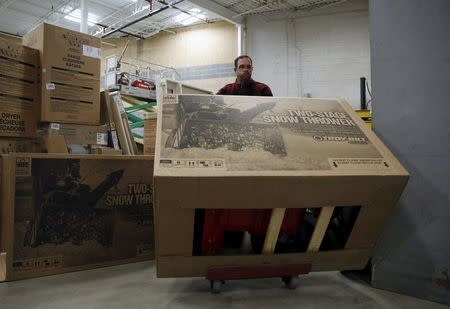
(77, 134)
(70, 79)
(64, 213)
(19, 100)
(230, 152)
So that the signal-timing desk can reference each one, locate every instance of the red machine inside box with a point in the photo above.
(254, 221)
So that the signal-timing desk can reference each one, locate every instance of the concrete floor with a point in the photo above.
(136, 286)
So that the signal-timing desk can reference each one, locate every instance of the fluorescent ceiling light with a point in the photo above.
(67, 9)
(75, 16)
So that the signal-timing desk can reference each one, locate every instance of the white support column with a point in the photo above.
(239, 39)
(84, 16)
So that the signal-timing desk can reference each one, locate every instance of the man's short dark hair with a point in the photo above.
(241, 57)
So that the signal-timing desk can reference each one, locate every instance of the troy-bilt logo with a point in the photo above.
(74, 40)
(350, 139)
(10, 52)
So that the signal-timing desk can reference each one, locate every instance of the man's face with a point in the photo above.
(244, 69)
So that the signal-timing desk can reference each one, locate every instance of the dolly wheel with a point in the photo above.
(290, 282)
(216, 286)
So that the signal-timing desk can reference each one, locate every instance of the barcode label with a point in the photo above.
(102, 139)
(23, 167)
(50, 86)
(119, 103)
(91, 51)
(55, 126)
(115, 140)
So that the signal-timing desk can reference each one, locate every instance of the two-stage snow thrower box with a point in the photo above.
(63, 213)
(225, 165)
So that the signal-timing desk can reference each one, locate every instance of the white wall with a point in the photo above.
(202, 54)
(323, 55)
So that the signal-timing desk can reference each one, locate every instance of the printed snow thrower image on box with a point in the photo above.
(237, 133)
(65, 209)
(75, 207)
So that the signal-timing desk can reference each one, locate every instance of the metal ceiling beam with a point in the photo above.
(190, 14)
(47, 16)
(120, 18)
(132, 34)
(142, 18)
(105, 4)
(214, 8)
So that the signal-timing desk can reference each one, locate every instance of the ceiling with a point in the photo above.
(141, 18)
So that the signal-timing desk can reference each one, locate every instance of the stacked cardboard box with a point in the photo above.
(70, 81)
(69, 90)
(63, 213)
(74, 134)
(19, 101)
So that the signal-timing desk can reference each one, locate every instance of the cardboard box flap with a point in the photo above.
(276, 192)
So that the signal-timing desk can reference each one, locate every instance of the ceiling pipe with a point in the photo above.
(142, 18)
(190, 14)
(132, 34)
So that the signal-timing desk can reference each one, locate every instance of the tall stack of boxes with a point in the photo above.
(70, 83)
(70, 68)
(64, 212)
(19, 99)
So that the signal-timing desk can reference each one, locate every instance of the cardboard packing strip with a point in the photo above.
(106, 151)
(62, 213)
(116, 111)
(149, 136)
(108, 118)
(232, 152)
(19, 99)
(70, 74)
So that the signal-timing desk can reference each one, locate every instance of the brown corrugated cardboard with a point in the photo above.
(109, 151)
(78, 134)
(11, 144)
(231, 152)
(149, 136)
(54, 144)
(19, 100)
(108, 118)
(63, 213)
(70, 83)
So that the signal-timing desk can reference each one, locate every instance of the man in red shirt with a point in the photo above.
(244, 84)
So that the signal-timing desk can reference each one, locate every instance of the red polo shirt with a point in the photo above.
(253, 88)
